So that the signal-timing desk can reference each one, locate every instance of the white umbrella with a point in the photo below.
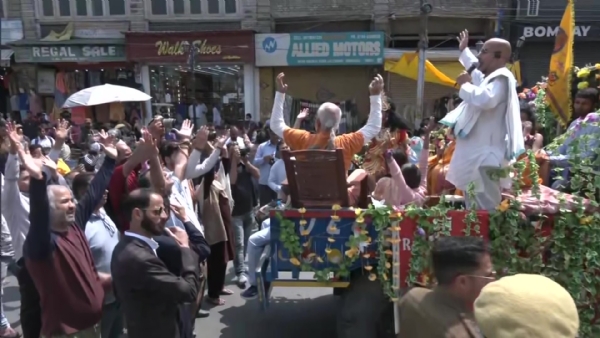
(105, 94)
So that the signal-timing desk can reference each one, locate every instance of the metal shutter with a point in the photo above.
(334, 84)
(403, 92)
(535, 58)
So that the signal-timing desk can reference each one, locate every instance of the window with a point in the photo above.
(193, 7)
(81, 8)
(533, 7)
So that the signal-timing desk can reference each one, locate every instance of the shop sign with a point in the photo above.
(543, 32)
(320, 49)
(77, 53)
(209, 48)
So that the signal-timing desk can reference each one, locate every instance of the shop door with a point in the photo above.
(535, 58)
(403, 92)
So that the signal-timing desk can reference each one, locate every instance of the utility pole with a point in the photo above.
(425, 9)
(192, 64)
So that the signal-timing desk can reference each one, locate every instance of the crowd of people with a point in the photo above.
(130, 235)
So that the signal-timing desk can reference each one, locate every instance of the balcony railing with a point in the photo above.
(453, 8)
(300, 8)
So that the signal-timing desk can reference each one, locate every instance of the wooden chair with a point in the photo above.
(317, 179)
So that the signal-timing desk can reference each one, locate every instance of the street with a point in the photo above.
(294, 313)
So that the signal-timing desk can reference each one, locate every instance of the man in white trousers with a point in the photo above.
(487, 126)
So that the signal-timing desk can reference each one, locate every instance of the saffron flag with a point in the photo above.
(558, 91)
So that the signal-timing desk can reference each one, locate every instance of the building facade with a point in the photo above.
(321, 25)
(538, 21)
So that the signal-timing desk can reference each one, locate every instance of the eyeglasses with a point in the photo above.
(156, 212)
(491, 277)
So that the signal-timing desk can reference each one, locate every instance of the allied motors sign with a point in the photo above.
(550, 31)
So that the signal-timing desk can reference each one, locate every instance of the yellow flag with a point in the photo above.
(515, 68)
(558, 92)
(408, 66)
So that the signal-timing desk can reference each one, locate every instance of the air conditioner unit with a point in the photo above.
(533, 7)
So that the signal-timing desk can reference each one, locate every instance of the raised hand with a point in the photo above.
(47, 162)
(463, 78)
(107, 142)
(201, 138)
(376, 86)
(281, 86)
(147, 144)
(61, 132)
(431, 125)
(220, 142)
(303, 114)
(179, 212)
(14, 137)
(186, 130)
(463, 40)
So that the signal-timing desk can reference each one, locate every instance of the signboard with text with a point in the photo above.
(320, 49)
(71, 53)
(539, 32)
(173, 47)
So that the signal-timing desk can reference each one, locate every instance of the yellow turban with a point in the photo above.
(526, 306)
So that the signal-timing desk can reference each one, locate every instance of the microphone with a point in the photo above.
(473, 67)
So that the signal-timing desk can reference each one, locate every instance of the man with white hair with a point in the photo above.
(327, 123)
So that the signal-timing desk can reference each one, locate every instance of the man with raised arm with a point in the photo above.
(57, 254)
(327, 123)
(487, 125)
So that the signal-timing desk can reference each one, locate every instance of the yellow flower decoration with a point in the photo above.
(583, 85)
(367, 255)
(586, 220)
(336, 207)
(395, 300)
(505, 205)
(303, 222)
(320, 260)
(351, 252)
(330, 240)
(388, 252)
(305, 232)
(583, 73)
(372, 277)
(388, 265)
(295, 261)
(333, 228)
(328, 250)
(302, 211)
(368, 268)
(335, 217)
(597, 66)
(311, 255)
(357, 211)
(359, 220)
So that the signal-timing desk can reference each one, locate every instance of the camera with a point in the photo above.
(244, 152)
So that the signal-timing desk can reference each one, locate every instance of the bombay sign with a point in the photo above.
(320, 49)
(542, 32)
(77, 53)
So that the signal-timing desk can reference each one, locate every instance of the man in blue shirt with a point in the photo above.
(264, 159)
(582, 137)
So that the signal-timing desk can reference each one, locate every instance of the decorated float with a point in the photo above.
(371, 254)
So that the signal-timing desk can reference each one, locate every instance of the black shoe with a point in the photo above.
(202, 314)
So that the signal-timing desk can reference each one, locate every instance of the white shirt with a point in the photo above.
(216, 117)
(15, 205)
(277, 175)
(485, 145)
(45, 143)
(201, 111)
(151, 243)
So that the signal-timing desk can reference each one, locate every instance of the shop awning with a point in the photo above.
(439, 72)
(5, 55)
(76, 41)
(408, 66)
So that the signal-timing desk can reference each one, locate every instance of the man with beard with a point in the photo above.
(149, 293)
(57, 254)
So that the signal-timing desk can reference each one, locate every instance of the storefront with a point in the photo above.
(65, 67)
(539, 43)
(214, 68)
(320, 67)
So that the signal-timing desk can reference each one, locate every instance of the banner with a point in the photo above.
(408, 66)
(558, 92)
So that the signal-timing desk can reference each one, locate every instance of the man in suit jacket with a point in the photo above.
(462, 267)
(149, 293)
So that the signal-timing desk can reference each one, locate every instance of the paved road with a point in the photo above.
(295, 313)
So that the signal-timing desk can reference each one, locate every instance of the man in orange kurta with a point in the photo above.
(326, 125)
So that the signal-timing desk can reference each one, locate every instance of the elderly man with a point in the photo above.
(487, 125)
(328, 120)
